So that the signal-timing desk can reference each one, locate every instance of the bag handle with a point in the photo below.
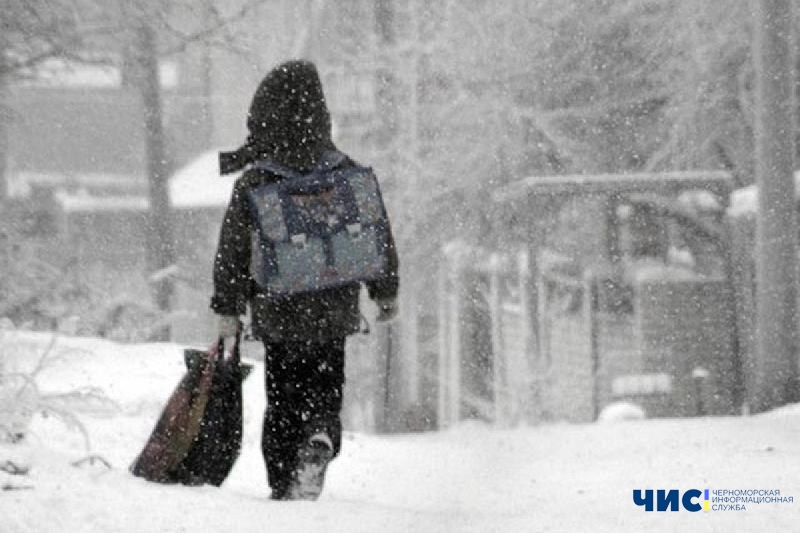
(236, 356)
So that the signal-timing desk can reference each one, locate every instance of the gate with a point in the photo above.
(485, 337)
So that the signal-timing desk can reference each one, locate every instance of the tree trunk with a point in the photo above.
(160, 249)
(5, 117)
(776, 253)
(384, 19)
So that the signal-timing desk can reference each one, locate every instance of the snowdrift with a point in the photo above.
(471, 478)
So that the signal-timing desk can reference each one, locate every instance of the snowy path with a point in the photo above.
(472, 478)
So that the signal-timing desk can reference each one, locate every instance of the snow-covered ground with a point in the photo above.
(472, 478)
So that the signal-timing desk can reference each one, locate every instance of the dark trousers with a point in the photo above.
(304, 396)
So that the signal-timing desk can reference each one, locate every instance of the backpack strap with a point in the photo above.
(328, 160)
(275, 168)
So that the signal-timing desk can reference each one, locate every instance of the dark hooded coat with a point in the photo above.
(288, 124)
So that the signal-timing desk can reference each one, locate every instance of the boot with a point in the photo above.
(312, 461)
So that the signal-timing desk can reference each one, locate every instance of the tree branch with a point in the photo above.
(205, 34)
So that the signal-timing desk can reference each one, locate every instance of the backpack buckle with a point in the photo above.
(354, 229)
(299, 240)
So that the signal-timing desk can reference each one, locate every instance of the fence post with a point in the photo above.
(499, 366)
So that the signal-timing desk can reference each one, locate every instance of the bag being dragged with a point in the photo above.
(198, 436)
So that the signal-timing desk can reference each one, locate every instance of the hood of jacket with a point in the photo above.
(288, 121)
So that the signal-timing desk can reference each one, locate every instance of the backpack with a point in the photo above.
(320, 230)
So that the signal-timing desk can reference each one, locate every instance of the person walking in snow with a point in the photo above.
(303, 334)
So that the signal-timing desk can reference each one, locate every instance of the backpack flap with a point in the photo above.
(325, 229)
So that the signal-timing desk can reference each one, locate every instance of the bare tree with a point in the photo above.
(132, 36)
(145, 21)
(160, 245)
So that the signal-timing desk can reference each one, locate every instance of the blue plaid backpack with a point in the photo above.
(319, 230)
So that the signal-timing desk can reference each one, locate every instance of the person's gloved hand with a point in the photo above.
(387, 309)
(228, 326)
